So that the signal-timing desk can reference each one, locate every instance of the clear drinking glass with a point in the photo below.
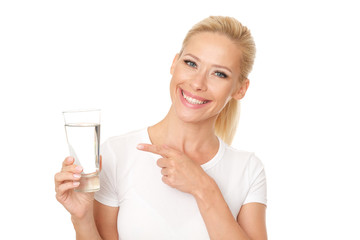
(82, 129)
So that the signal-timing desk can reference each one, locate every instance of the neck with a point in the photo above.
(190, 138)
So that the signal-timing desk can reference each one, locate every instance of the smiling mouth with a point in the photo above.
(193, 100)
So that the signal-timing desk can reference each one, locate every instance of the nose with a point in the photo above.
(199, 82)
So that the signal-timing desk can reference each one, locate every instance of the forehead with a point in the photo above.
(214, 48)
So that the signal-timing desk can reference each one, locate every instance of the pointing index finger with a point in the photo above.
(156, 149)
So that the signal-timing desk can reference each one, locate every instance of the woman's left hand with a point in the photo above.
(178, 170)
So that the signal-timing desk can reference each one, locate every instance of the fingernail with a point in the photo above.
(76, 175)
(69, 159)
(140, 147)
(78, 168)
(76, 183)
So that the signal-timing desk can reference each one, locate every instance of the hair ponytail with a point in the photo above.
(227, 121)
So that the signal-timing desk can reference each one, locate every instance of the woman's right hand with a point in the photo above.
(78, 204)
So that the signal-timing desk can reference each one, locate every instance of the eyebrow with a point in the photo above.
(215, 65)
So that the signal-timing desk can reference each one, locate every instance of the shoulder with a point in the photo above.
(242, 159)
(241, 155)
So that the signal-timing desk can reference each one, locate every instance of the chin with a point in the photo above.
(187, 117)
(191, 117)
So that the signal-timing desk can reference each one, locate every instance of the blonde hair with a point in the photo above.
(227, 121)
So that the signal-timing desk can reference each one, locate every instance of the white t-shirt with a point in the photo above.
(150, 209)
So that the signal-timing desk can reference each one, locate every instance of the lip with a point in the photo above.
(190, 105)
(193, 96)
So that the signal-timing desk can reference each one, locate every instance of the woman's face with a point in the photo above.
(205, 77)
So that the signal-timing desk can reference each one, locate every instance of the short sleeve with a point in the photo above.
(257, 179)
(107, 194)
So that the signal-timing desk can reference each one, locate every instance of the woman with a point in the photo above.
(177, 179)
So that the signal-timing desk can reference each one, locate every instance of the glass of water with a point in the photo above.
(82, 129)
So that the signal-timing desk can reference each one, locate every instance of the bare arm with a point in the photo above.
(85, 227)
(106, 220)
(221, 224)
(252, 218)
(100, 223)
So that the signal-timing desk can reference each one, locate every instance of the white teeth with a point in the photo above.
(192, 100)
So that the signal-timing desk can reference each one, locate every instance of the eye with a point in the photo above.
(190, 63)
(220, 74)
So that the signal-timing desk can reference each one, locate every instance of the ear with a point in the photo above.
(241, 89)
(176, 58)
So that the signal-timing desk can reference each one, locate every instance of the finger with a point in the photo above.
(66, 186)
(68, 161)
(72, 168)
(66, 176)
(165, 172)
(157, 149)
(162, 162)
(167, 181)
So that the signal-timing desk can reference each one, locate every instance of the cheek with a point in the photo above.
(172, 88)
(182, 74)
(223, 92)
(174, 83)
(177, 79)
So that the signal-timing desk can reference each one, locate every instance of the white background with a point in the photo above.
(300, 115)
